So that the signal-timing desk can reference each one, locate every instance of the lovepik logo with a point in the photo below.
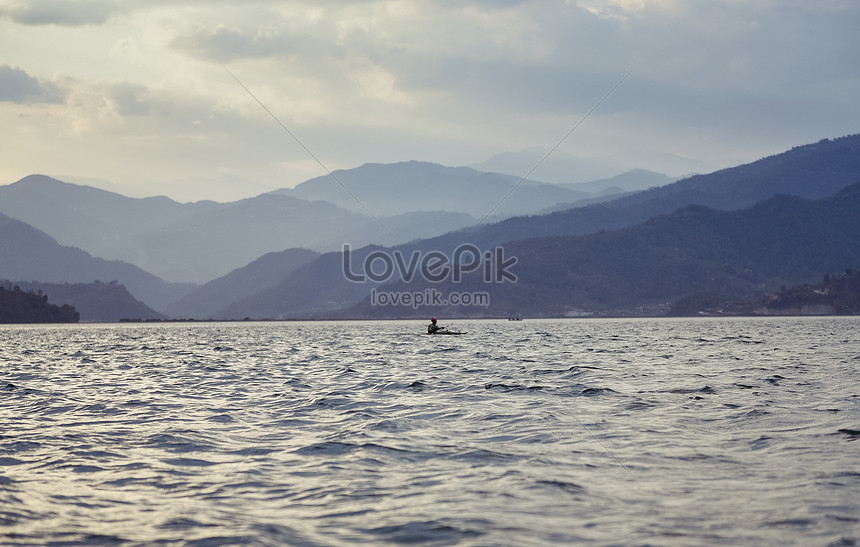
(381, 266)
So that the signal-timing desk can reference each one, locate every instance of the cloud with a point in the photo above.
(71, 13)
(453, 81)
(495, 54)
(19, 87)
(624, 9)
(224, 44)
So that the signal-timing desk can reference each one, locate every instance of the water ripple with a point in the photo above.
(668, 432)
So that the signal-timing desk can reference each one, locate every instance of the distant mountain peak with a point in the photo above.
(415, 186)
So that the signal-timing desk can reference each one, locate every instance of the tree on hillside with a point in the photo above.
(17, 306)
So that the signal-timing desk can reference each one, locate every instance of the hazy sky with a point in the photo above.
(136, 93)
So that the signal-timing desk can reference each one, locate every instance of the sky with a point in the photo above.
(217, 99)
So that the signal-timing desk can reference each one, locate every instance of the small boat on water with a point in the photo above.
(433, 328)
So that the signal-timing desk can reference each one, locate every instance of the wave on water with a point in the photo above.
(669, 432)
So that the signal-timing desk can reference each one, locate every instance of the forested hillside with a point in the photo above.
(18, 306)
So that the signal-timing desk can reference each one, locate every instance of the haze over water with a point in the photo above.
(664, 432)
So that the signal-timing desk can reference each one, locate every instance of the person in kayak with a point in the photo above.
(433, 328)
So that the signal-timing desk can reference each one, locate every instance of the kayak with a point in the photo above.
(445, 332)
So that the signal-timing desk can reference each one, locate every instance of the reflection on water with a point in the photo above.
(670, 432)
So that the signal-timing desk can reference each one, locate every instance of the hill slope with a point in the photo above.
(812, 171)
(783, 240)
(20, 306)
(318, 286)
(96, 302)
(267, 271)
(634, 180)
(29, 254)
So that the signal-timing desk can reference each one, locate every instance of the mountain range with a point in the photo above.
(564, 168)
(632, 249)
(812, 171)
(196, 242)
(389, 189)
(782, 240)
(200, 241)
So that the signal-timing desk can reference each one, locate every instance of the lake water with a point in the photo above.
(608, 432)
